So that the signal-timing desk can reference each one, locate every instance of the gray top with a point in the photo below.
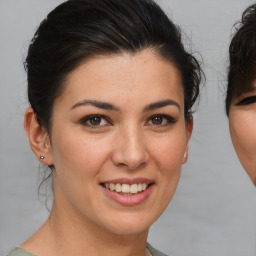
(155, 252)
(20, 252)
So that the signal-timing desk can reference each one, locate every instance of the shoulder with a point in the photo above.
(19, 252)
(155, 252)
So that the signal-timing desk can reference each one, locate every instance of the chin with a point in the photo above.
(129, 225)
(129, 230)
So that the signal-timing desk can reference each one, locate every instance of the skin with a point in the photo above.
(125, 144)
(242, 123)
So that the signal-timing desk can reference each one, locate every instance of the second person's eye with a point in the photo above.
(247, 101)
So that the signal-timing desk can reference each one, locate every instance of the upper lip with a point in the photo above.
(129, 181)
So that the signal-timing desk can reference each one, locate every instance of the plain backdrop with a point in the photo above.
(213, 212)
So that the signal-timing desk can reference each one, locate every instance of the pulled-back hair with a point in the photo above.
(78, 30)
(242, 57)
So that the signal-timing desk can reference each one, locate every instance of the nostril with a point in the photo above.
(132, 166)
(130, 153)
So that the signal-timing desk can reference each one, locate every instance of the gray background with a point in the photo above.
(213, 211)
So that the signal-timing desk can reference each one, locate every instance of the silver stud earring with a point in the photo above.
(42, 157)
(185, 155)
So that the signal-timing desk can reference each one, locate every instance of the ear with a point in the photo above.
(189, 132)
(38, 138)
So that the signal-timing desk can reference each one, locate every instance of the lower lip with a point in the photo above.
(128, 200)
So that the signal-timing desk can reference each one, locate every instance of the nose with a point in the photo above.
(130, 149)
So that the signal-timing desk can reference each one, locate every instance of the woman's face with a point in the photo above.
(118, 141)
(242, 124)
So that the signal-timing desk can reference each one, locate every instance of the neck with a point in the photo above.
(66, 233)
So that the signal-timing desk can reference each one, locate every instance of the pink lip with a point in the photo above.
(132, 199)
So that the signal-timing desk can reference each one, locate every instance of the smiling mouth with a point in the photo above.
(126, 189)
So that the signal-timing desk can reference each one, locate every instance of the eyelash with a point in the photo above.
(168, 120)
(87, 121)
(247, 101)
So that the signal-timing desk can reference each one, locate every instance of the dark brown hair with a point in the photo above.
(80, 29)
(242, 57)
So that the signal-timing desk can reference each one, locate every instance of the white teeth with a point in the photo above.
(118, 188)
(126, 188)
(134, 188)
(111, 186)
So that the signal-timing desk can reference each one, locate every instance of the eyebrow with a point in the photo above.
(95, 103)
(108, 106)
(161, 104)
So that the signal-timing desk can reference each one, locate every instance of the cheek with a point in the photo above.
(242, 131)
(243, 135)
(168, 152)
(78, 161)
(168, 156)
(79, 153)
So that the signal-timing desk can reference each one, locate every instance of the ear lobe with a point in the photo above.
(185, 157)
(38, 137)
(189, 132)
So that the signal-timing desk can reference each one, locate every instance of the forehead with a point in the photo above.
(126, 76)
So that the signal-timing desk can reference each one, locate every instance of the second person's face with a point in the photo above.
(118, 141)
(242, 124)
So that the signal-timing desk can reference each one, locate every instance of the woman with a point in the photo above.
(241, 92)
(111, 90)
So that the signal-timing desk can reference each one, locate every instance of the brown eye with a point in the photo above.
(95, 120)
(157, 120)
(161, 120)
